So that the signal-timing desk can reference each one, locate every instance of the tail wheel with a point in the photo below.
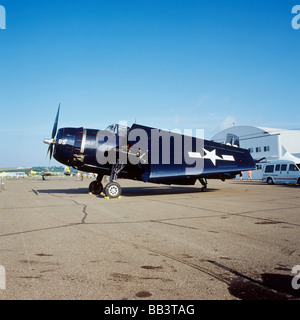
(270, 181)
(113, 190)
(96, 187)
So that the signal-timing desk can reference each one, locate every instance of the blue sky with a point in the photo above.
(164, 63)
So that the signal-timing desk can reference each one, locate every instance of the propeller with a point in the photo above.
(52, 141)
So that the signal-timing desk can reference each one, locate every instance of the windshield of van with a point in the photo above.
(298, 165)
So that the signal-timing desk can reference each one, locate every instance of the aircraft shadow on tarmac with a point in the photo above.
(65, 191)
(151, 191)
(134, 191)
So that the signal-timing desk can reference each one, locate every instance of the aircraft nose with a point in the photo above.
(68, 145)
(49, 141)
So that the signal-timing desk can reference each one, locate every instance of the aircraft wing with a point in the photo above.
(172, 156)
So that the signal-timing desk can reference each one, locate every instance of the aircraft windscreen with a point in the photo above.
(118, 129)
(112, 127)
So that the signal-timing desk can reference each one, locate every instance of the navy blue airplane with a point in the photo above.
(146, 154)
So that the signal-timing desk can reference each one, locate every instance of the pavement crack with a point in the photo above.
(173, 224)
(84, 207)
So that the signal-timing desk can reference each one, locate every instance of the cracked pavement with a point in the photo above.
(238, 240)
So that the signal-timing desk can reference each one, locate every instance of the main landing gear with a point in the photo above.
(203, 181)
(96, 186)
(112, 189)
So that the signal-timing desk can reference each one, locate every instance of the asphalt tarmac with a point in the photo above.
(238, 240)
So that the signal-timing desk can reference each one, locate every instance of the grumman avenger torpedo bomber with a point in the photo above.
(146, 154)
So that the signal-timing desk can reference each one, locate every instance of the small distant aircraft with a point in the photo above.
(46, 174)
(146, 154)
(67, 171)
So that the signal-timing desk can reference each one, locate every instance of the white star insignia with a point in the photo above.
(211, 155)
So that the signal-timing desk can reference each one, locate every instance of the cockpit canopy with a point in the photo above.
(118, 129)
(232, 140)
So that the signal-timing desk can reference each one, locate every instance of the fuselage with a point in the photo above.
(149, 154)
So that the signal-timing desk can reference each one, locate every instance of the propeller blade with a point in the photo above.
(51, 141)
(50, 149)
(55, 123)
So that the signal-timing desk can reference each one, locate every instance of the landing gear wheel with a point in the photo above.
(96, 187)
(203, 181)
(113, 190)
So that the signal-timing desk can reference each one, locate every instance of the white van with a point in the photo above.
(281, 171)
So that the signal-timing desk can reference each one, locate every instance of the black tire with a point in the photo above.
(113, 190)
(270, 181)
(96, 187)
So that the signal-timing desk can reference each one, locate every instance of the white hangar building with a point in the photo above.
(269, 143)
